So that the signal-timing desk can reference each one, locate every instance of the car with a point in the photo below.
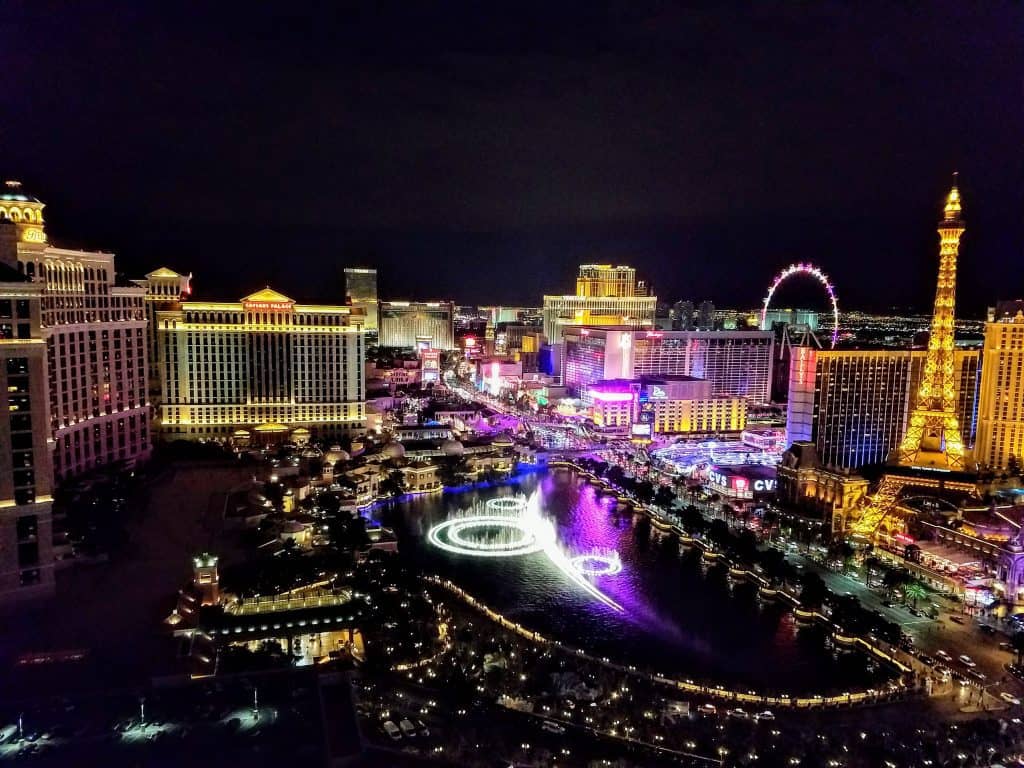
(765, 716)
(966, 660)
(957, 619)
(979, 676)
(552, 727)
(943, 655)
(925, 659)
(392, 730)
(408, 729)
(707, 709)
(423, 728)
(988, 629)
(738, 713)
(1009, 698)
(943, 672)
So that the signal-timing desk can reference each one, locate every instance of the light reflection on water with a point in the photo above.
(678, 619)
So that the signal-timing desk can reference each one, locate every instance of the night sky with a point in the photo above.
(481, 151)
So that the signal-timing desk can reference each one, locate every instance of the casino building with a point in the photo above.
(735, 363)
(94, 327)
(260, 368)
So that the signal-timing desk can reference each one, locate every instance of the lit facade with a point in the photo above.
(1001, 408)
(26, 470)
(164, 289)
(934, 435)
(853, 405)
(262, 365)
(605, 295)
(361, 292)
(95, 332)
(735, 363)
(415, 324)
(681, 405)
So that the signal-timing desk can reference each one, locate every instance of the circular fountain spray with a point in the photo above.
(598, 564)
(510, 527)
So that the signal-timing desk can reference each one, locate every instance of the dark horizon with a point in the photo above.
(481, 154)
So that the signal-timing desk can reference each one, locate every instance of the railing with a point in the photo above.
(894, 689)
(288, 602)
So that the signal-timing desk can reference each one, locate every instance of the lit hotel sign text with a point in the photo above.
(264, 306)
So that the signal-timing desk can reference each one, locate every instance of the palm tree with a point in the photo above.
(915, 591)
(1017, 641)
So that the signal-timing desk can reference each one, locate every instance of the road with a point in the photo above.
(933, 635)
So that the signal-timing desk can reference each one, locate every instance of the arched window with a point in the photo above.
(3, 213)
(15, 214)
(30, 269)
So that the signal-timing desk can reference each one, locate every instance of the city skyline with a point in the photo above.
(543, 385)
(708, 199)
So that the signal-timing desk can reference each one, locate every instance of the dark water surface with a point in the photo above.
(680, 619)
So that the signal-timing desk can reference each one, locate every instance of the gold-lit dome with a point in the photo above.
(953, 203)
(25, 210)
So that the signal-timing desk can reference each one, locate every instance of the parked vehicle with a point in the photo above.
(552, 727)
(967, 661)
(408, 729)
(392, 730)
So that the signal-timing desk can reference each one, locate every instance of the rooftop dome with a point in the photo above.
(335, 455)
(452, 448)
(393, 451)
(13, 192)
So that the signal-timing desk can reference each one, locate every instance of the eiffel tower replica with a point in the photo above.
(933, 440)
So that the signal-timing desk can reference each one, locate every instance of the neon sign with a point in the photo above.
(611, 397)
(273, 306)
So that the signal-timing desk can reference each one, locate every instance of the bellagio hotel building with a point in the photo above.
(261, 367)
(94, 329)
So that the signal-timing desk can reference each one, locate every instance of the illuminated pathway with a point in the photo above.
(892, 690)
(516, 528)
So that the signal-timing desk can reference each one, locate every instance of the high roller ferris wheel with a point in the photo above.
(811, 271)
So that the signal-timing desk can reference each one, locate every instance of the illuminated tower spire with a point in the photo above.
(933, 436)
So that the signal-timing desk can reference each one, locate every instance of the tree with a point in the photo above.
(693, 520)
(812, 590)
(914, 591)
(1017, 641)
(895, 579)
(393, 484)
(718, 533)
(664, 496)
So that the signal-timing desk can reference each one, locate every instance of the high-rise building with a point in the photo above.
(361, 292)
(165, 289)
(736, 363)
(26, 470)
(95, 332)
(681, 315)
(605, 295)
(260, 368)
(852, 404)
(1001, 410)
(417, 324)
(656, 405)
(706, 316)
